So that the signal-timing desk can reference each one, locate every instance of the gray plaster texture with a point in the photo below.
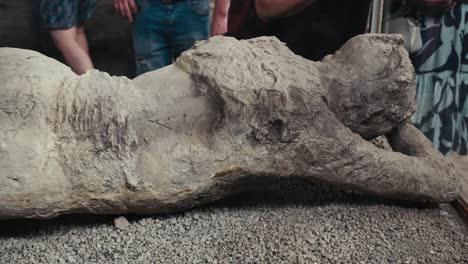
(291, 223)
(228, 116)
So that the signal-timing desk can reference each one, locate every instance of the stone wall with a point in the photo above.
(108, 33)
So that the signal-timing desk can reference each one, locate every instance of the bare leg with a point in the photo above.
(76, 57)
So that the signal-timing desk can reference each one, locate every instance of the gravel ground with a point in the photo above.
(289, 223)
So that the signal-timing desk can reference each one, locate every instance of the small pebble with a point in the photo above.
(121, 223)
(443, 213)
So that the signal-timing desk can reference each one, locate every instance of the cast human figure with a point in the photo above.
(228, 116)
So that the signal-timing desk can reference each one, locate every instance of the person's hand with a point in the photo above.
(219, 25)
(126, 8)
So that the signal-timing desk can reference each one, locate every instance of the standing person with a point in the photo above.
(163, 29)
(64, 19)
(442, 79)
(310, 28)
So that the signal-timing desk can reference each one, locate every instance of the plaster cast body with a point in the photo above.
(228, 116)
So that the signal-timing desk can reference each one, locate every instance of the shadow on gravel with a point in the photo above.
(286, 193)
(306, 194)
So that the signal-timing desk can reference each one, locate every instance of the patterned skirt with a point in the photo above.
(442, 81)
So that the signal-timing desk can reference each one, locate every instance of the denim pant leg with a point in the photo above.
(150, 37)
(191, 24)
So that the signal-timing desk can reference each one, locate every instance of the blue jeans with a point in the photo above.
(162, 31)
